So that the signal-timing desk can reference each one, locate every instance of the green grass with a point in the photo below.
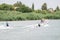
(15, 15)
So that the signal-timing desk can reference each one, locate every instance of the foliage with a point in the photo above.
(57, 8)
(44, 6)
(16, 7)
(38, 11)
(6, 7)
(44, 12)
(33, 6)
(18, 4)
(24, 9)
(15, 15)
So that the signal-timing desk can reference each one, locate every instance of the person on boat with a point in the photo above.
(39, 25)
(42, 20)
(7, 25)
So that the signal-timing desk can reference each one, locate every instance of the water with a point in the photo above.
(22, 31)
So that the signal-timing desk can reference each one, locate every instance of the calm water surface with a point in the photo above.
(22, 31)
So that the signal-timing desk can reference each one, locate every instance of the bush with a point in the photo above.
(44, 11)
(6, 7)
(38, 11)
(24, 9)
(15, 15)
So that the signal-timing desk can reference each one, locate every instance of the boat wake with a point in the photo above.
(5, 27)
(36, 25)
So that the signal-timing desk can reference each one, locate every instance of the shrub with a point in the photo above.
(38, 11)
(44, 11)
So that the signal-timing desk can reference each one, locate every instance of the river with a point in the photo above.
(22, 31)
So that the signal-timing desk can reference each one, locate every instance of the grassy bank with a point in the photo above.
(15, 15)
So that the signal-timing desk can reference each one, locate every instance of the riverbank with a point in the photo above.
(17, 16)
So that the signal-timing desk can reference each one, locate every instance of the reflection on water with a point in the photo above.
(23, 31)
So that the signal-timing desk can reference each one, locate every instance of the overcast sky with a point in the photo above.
(37, 3)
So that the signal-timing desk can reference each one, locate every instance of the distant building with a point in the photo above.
(51, 10)
(15, 8)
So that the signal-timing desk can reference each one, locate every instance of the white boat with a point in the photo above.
(44, 24)
(36, 25)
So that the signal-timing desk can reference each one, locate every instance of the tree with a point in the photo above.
(18, 4)
(33, 7)
(38, 11)
(57, 8)
(24, 9)
(44, 6)
(6, 7)
(21, 7)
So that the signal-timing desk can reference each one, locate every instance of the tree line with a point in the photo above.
(19, 6)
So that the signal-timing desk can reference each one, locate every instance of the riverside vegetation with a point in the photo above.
(15, 15)
(19, 11)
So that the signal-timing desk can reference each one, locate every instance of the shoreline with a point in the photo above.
(30, 20)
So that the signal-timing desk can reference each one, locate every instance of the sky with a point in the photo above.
(37, 3)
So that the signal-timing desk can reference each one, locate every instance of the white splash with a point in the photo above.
(5, 27)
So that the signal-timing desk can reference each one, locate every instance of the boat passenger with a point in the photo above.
(7, 24)
(39, 25)
(42, 20)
